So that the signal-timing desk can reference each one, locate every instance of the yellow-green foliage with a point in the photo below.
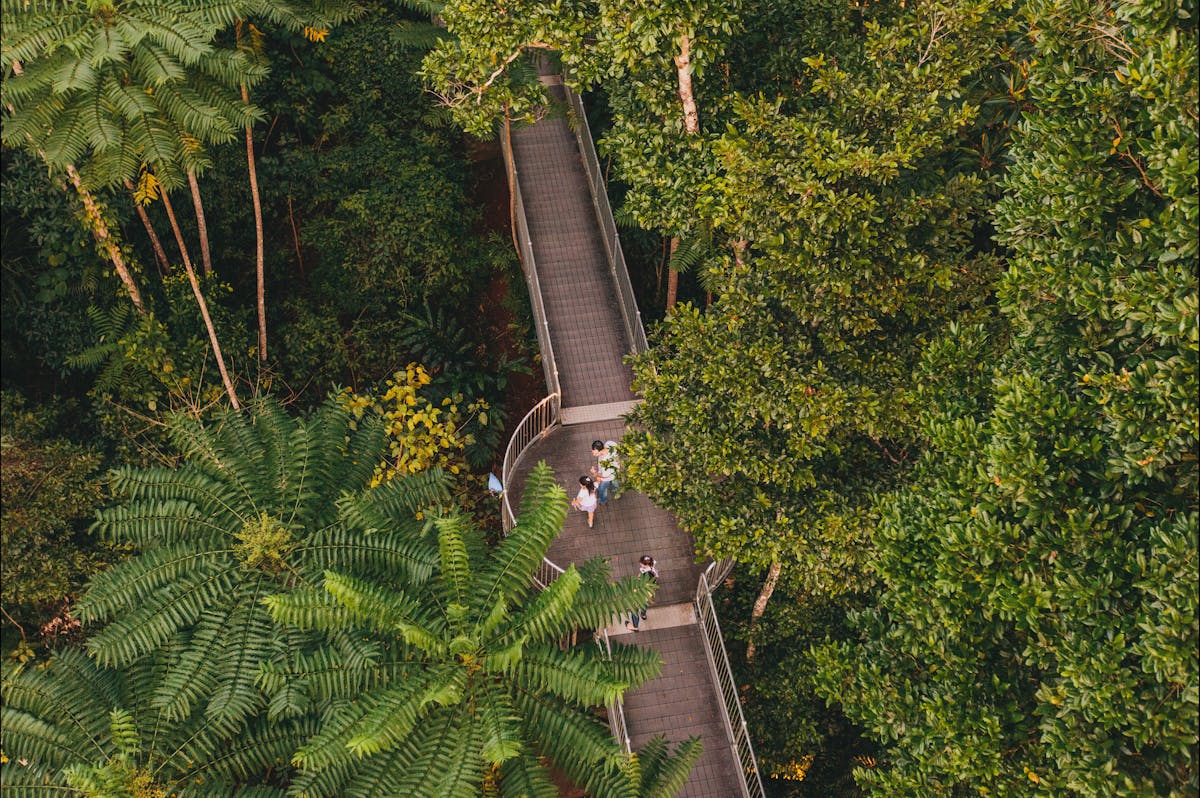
(264, 543)
(422, 432)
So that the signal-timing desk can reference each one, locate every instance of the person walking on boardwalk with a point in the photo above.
(647, 570)
(585, 500)
(605, 470)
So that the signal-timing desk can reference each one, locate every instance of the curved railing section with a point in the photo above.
(731, 706)
(608, 228)
(536, 425)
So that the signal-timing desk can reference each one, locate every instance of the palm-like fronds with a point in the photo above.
(137, 83)
(78, 728)
(478, 688)
(257, 507)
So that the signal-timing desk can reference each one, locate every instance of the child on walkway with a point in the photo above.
(585, 500)
(646, 569)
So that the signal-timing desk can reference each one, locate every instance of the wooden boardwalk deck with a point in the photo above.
(589, 343)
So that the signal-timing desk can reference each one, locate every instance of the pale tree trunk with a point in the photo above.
(259, 257)
(691, 126)
(201, 224)
(760, 605)
(184, 255)
(212, 332)
(160, 254)
(104, 238)
(96, 223)
(510, 172)
(683, 66)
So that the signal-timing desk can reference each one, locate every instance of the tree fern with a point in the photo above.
(253, 510)
(67, 102)
(477, 691)
(79, 729)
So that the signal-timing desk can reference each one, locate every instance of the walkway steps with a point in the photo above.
(583, 317)
(590, 413)
(682, 703)
(581, 301)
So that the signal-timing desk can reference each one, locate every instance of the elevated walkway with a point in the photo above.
(587, 321)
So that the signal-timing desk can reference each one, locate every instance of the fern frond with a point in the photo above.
(573, 739)
(30, 781)
(392, 712)
(455, 567)
(167, 522)
(384, 554)
(247, 643)
(388, 611)
(311, 609)
(663, 774)
(191, 676)
(580, 675)
(152, 623)
(599, 601)
(214, 498)
(544, 618)
(524, 776)
(443, 761)
(691, 251)
(543, 510)
(138, 580)
(326, 674)
(633, 665)
(327, 747)
(261, 747)
(410, 35)
(499, 725)
(395, 504)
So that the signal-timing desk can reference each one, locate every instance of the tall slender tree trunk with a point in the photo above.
(184, 254)
(760, 605)
(683, 67)
(212, 331)
(105, 239)
(510, 172)
(691, 126)
(672, 275)
(201, 224)
(160, 254)
(96, 221)
(259, 255)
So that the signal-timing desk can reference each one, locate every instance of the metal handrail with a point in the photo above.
(719, 571)
(536, 425)
(529, 267)
(731, 705)
(616, 708)
(608, 227)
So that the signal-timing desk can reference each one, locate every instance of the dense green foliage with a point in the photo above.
(76, 728)
(278, 613)
(943, 384)
(50, 490)
(256, 505)
(1037, 628)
